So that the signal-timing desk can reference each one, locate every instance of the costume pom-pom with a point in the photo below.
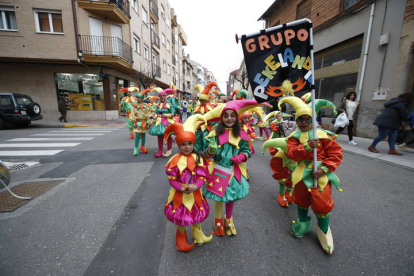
(238, 147)
(169, 170)
(201, 209)
(309, 190)
(174, 211)
(293, 221)
(321, 190)
(340, 190)
(193, 173)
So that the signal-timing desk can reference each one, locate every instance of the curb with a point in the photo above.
(70, 125)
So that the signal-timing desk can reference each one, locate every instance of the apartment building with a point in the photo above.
(87, 51)
(360, 45)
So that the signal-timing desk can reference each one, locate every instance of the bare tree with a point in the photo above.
(242, 77)
(146, 74)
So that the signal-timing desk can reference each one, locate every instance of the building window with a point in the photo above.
(144, 16)
(168, 45)
(146, 52)
(303, 9)
(7, 19)
(137, 44)
(169, 69)
(134, 5)
(348, 3)
(168, 20)
(49, 21)
(164, 66)
(163, 39)
(162, 12)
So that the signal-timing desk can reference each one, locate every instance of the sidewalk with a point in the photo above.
(406, 161)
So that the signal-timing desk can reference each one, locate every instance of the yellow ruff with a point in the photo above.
(232, 139)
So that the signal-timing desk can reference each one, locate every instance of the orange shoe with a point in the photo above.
(282, 201)
(218, 227)
(288, 197)
(181, 242)
(131, 136)
(394, 152)
(373, 149)
(144, 150)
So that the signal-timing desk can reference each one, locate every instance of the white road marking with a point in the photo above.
(29, 153)
(39, 145)
(83, 131)
(67, 134)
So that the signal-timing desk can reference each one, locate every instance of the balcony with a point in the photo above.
(154, 10)
(173, 19)
(106, 50)
(182, 35)
(117, 10)
(173, 38)
(156, 70)
(173, 60)
(155, 39)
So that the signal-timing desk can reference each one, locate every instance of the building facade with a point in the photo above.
(87, 51)
(360, 45)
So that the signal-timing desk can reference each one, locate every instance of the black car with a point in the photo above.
(18, 110)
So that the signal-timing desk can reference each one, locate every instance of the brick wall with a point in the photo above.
(26, 43)
(409, 11)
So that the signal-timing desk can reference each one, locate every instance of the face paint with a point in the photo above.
(229, 118)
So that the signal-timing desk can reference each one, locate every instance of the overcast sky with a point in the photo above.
(211, 27)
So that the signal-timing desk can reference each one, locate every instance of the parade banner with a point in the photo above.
(278, 54)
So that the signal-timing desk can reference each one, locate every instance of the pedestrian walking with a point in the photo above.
(187, 172)
(62, 109)
(350, 106)
(390, 120)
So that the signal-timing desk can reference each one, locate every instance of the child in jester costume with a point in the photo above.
(248, 128)
(165, 116)
(229, 147)
(139, 116)
(202, 108)
(261, 123)
(276, 125)
(127, 103)
(172, 99)
(187, 172)
(300, 145)
(282, 168)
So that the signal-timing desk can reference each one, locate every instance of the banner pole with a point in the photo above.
(315, 150)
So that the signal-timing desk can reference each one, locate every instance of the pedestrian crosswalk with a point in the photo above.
(40, 144)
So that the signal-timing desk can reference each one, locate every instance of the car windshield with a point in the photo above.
(23, 100)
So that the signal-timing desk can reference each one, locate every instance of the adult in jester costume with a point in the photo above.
(139, 116)
(187, 173)
(300, 145)
(165, 116)
(202, 108)
(282, 168)
(172, 99)
(127, 103)
(229, 148)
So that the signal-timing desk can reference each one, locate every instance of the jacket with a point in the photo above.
(394, 113)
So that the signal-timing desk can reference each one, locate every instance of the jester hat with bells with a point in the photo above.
(307, 98)
(281, 145)
(184, 132)
(300, 107)
(141, 94)
(274, 114)
(131, 90)
(205, 95)
(242, 94)
(321, 103)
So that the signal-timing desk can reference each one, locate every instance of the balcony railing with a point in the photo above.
(154, 8)
(105, 46)
(173, 60)
(156, 70)
(155, 39)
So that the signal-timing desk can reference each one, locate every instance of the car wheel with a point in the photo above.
(2, 124)
(34, 109)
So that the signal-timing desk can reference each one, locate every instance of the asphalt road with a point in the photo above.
(107, 219)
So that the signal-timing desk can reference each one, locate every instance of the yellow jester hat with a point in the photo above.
(300, 107)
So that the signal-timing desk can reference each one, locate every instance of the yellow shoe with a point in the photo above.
(326, 240)
(167, 154)
(199, 237)
(230, 228)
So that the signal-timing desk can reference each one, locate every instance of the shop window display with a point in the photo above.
(83, 92)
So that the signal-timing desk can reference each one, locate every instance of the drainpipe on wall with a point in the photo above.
(364, 62)
(75, 24)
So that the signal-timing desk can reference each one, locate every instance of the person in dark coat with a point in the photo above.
(390, 120)
(62, 109)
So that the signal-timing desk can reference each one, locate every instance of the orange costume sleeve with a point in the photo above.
(329, 152)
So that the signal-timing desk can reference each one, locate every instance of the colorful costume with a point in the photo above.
(329, 157)
(201, 143)
(127, 103)
(164, 112)
(139, 116)
(229, 176)
(186, 208)
(261, 123)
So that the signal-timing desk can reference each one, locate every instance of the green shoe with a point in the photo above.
(136, 151)
(299, 229)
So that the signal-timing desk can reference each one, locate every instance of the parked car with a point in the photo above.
(18, 110)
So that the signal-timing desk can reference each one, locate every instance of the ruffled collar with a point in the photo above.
(183, 162)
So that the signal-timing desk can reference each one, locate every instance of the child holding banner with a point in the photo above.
(300, 145)
(187, 172)
(229, 147)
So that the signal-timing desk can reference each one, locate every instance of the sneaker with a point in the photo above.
(352, 143)
(402, 147)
